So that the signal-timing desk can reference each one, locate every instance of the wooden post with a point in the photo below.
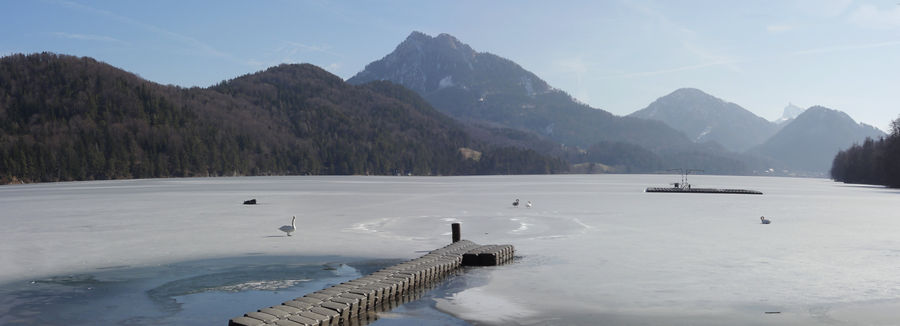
(456, 235)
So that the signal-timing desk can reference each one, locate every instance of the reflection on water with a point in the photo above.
(207, 292)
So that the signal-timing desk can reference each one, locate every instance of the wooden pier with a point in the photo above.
(357, 302)
(685, 187)
(704, 190)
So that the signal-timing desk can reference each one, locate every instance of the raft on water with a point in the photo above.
(704, 190)
(684, 186)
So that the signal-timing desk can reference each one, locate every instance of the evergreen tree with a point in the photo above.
(67, 118)
(873, 162)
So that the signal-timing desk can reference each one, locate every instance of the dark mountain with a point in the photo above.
(809, 143)
(482, 88)
(704, 118)
(69, 118)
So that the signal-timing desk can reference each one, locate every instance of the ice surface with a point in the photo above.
(479, 305)
(593, 248)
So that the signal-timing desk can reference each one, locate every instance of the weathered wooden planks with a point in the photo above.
(356, 301)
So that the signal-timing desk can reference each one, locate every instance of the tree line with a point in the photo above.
(66, 118)
(872, 162)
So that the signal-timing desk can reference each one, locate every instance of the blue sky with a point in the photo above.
(614, 55)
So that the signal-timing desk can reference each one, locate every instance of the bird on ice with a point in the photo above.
(516, 203)
(764, 220)
(289, 228)
(528, 204)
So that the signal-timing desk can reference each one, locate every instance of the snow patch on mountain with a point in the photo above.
(791, 111)
(529, 86)
(446, 82)
(703, 133)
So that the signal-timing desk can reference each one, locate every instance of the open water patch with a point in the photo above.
(201, 292)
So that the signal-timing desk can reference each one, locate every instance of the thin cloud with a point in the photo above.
(293, 48)
(290, 52)
(711, 58)
(869, 16)
(661, 20)
(844, 48)
(690, 41)
(187, 40)
(823, 8)
(255, 63)
(678, 69)
(779, 28)
(574, 65)
(579, 68)
(88, 37)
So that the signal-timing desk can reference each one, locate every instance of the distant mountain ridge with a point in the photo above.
(812, 139)
(428, 64)
(703, 118)
(483, 88)
(801, 142)
(68, 118)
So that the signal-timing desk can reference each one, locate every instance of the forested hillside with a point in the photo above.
(872, 162)
(70, 118)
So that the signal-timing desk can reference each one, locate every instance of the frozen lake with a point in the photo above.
(593, 248)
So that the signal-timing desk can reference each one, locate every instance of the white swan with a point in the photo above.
(289, 228)
(528, 204)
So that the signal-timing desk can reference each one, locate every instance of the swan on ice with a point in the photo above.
(289, 228)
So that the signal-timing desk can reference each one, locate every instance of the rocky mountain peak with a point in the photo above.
(791, 111)
(825, 116)
(689, 92)
(422, 43)
(428, 64)
(451, 42)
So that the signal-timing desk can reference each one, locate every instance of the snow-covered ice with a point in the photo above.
(593, 248)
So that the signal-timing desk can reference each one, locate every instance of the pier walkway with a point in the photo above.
(356, 302)
(705, 190)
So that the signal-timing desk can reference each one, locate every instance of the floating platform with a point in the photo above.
(357, 302)
(704, 190)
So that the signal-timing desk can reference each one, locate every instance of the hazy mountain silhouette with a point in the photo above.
(483, 88)
(811, 140)
(704, 118)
